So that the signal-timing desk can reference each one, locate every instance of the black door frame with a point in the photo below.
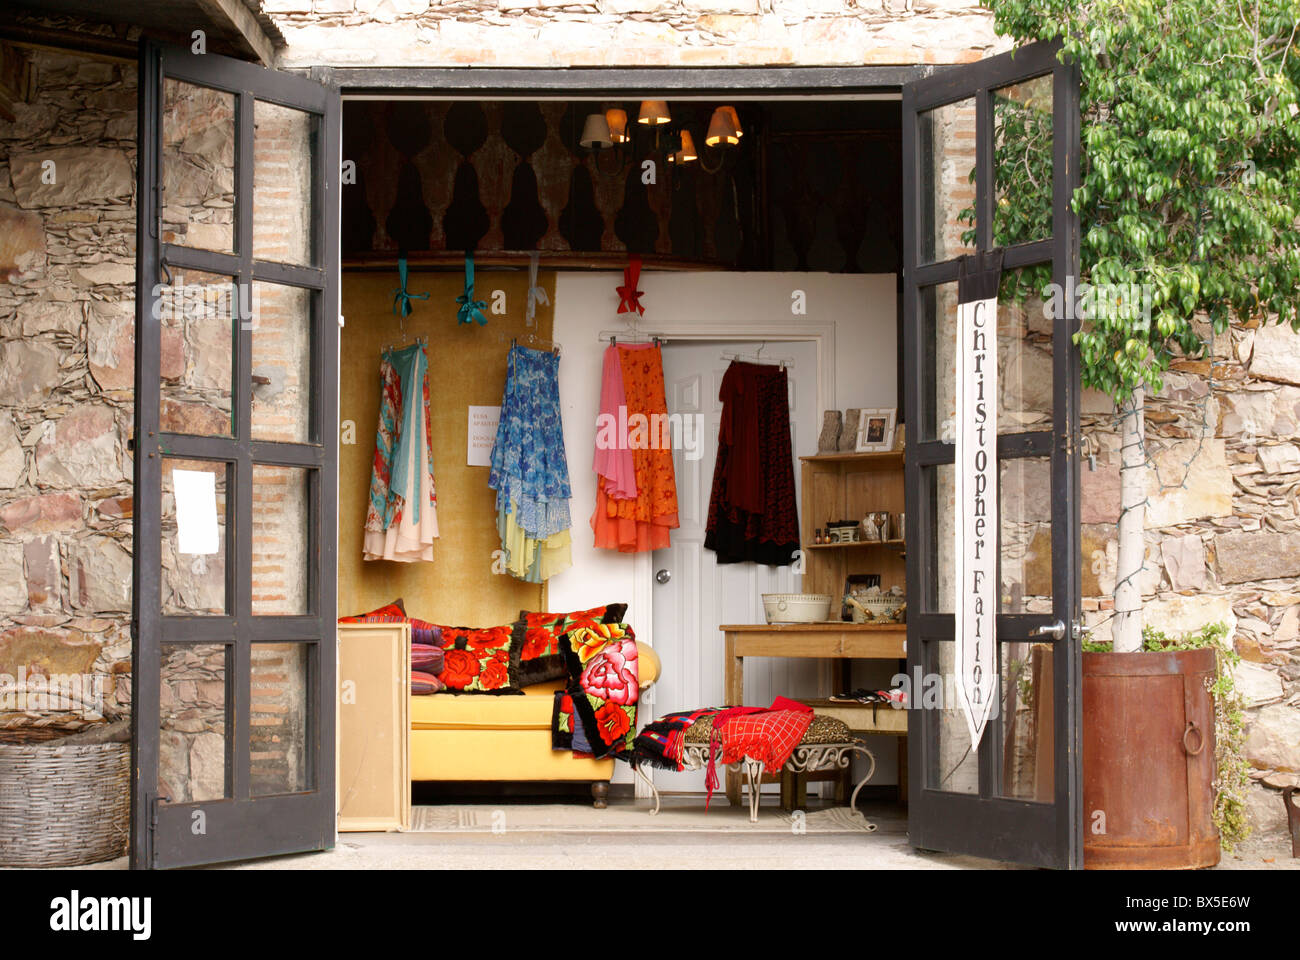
(240, 826)
(529, 83)
(986, 824)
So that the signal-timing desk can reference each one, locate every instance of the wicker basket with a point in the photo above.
(63, 805)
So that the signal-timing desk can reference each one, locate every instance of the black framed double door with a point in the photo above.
(990, 154)
(235, 449)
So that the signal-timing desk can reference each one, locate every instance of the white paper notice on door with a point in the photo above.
(482, 435)
(976, 480)
(196, 511)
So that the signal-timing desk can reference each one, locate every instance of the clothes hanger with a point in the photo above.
(757, 357)
(631, 335)
(402, 340)
(554, 346)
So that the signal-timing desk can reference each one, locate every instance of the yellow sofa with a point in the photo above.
(504, 738)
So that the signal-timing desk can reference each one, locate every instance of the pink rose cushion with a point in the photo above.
(612, 673)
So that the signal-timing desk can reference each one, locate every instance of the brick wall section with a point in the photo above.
(619, 33)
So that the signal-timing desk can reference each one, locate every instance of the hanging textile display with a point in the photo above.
(530, 472)
(629, 297)
(975, 474)
(636, 488)
(402, 518)
(470, 309)
(536, 292)
(401, 298)
(752, 511)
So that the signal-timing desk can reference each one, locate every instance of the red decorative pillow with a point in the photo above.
(539, 651)
(481, 659)
(393, 612)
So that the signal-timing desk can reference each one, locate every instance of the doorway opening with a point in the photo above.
(696, 249)
(790, 243)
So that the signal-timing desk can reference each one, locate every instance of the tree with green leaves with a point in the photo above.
(1190, 192)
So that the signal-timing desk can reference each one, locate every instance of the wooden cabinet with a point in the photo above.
(374, 780)
(848, 486)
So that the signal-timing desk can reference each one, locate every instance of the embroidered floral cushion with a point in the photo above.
(539, 653)
(481, 659)
(596, 714)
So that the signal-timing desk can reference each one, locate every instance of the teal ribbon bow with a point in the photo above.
(401, 298)
(536, 294)
(470, 309)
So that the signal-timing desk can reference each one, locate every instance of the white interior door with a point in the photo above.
(701, 594)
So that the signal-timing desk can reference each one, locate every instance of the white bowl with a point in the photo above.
(796, 607)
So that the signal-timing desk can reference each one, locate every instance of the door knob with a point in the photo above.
(1055, 630)
(663, 576)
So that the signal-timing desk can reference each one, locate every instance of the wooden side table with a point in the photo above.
(819, 641)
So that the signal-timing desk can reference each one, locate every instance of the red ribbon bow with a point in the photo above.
(629, 295)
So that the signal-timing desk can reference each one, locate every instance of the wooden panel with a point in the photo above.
(832, 641)
(374, 782)
(863, 717)
(467, 365)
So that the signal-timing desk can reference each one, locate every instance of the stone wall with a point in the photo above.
(642, 33)
(67, 272)
(1223, 533)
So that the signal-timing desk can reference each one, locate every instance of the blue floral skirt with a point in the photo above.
(530, 472)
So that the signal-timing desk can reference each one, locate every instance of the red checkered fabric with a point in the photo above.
(769, 736)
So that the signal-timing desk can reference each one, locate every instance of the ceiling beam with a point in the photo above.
(241, 21)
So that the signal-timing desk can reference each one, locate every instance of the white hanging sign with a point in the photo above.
(482, 435)
(976, 483)
(195, 492)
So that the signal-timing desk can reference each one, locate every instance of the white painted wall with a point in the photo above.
(861, 307)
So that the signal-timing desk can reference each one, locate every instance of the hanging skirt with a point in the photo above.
(402, 517)
(642, 521)
(530, 472)
(752, 510)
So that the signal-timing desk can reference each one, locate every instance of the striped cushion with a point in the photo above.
(425, 683)
(426, 658)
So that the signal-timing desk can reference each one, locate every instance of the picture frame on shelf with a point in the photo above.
(876, 430)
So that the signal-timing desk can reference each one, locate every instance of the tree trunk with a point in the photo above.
(1126, 628)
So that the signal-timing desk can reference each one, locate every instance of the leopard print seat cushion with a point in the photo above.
(821, 730)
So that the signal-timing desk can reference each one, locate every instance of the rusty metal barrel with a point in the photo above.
(1148, 760)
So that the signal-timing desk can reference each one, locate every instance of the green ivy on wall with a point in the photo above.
(1190, 176)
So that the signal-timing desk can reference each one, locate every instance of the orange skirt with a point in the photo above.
(632, 525)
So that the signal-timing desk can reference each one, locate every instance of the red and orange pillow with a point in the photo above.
(394, 612)
(481, 659)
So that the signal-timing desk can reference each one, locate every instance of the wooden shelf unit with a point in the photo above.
(848, 486)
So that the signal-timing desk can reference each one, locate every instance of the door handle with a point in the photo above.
(663, 576)
(1055, 630)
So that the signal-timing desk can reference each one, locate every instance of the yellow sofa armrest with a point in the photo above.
(649, 667)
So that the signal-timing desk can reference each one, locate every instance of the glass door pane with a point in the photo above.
(946, 160)
(196, 311)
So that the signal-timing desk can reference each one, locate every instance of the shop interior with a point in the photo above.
(730, 264)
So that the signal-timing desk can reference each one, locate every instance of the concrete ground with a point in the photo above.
(684, 836)
(730, 847)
